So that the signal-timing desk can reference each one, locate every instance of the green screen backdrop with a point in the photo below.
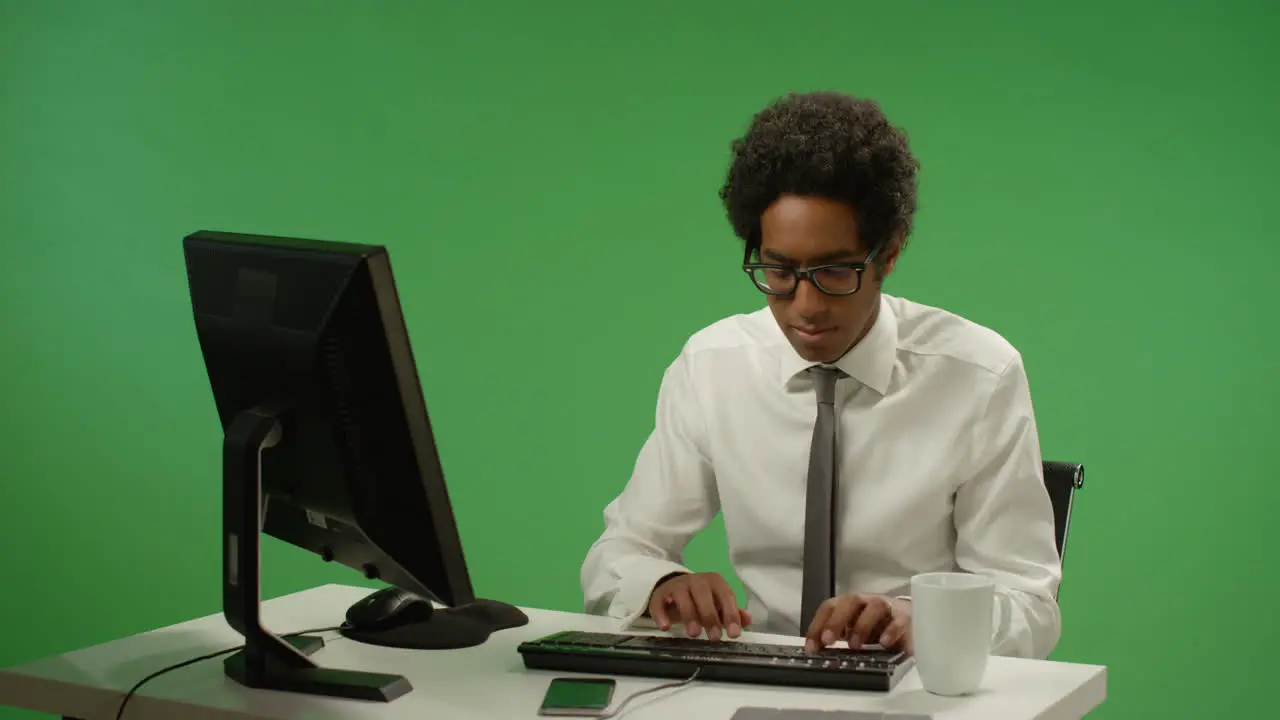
(1098, 185)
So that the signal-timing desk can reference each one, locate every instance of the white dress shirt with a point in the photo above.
(938, 469)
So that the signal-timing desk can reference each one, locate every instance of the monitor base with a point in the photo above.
(277, 673)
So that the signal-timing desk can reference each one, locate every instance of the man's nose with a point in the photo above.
(809, 301)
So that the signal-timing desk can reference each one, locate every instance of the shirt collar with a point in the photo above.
(870, 362)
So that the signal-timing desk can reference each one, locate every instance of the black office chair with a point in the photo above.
(1062, 479)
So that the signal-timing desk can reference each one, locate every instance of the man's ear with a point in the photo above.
(888, 258)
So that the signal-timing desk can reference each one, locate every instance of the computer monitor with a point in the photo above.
(326, 445)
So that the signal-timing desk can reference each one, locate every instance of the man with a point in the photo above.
(936, 461)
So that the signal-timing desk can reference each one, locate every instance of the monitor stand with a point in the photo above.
(267, 661)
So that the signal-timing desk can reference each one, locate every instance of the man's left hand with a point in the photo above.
(861, 619)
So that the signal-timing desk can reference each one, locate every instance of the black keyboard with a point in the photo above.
(726, 660)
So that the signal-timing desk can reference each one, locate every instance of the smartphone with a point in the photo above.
(577, 697)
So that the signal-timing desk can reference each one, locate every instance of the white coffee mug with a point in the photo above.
(951, 630)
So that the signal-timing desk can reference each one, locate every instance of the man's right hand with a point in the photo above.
(702, 601)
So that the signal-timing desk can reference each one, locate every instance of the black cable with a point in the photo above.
(132, 691)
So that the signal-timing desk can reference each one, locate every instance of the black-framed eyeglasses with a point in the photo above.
(833, 279)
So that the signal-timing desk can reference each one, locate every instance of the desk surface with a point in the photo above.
(488, 681)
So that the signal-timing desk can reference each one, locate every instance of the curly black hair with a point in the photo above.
(823, 144)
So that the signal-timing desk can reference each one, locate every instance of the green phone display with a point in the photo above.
(577, 697)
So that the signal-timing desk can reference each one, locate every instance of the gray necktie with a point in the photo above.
(820, 501)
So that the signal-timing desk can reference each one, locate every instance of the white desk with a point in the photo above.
(488, 681)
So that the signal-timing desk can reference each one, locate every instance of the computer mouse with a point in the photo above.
(388, 608)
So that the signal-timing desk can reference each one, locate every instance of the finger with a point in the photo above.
(847, 611)
(688, 612)
(813, 636)
(658, 611)
(745, 616)
(894, 633)
(875, 615)
(728, 605)
(708, 613)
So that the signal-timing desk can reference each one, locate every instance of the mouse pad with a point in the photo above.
(459, 631)
(764, 713)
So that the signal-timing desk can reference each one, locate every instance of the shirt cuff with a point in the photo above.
(638, 576)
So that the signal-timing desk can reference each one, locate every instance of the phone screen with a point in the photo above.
(577, 696)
